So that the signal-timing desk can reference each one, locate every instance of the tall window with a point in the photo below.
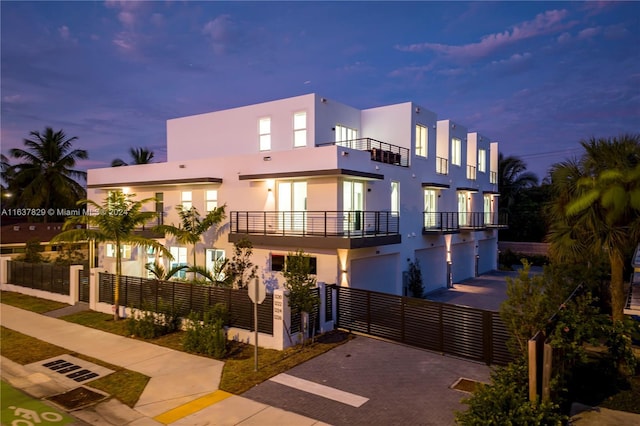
(300, 129)
(160, 208)
(462, 209)
(214, 262)
(345, 133)
(482, 160)
(264, 131)
(187, 200)
(430, 208)
(456, 151)
(179, 259)
(395, 198)
(421, 140)
(125, 250)
(487, 209)
(211, 199)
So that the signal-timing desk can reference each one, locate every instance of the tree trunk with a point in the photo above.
(617, 285)
(116, 290)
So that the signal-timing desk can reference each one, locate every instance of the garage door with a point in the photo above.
(487, 250)
(379, 273)
(433, 264)
(464, 262)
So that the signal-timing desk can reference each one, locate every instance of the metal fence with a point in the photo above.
(40, 276)
(184, 298)
(314, 317)
(455, 330)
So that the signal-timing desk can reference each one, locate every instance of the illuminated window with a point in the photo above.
(186, 200)
(125, 251)
(430, 208)
(395, 198)
(179, 259)
(456, 151)
(421, 140)
(211, 200)
(264, 131)
(300, 129)
(344, 134)
(482, 160)
(278, 263)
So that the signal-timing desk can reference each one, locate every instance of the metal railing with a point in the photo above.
(442, 166)
(471, 172)
(440, 222)
(348, 224)
(493, 177)
(455, 221)
(381, 152)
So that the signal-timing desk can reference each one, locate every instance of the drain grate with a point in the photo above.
(69, 369)
(465, 385)
(77, 398)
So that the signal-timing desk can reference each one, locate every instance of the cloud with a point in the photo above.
(13, 99)
(220, 32)
(516, 58)
(417, 70)
(65, 34)
(589, 33)
(564, 37)
(128, 19)
(548, 22)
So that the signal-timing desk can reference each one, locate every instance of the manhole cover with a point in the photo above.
(77, 398)
(465, 385)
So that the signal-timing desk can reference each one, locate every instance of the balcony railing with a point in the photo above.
(381, 152)
(442, 166)
(471, 172)
(493, 177)
(347, 224)
(451, 222)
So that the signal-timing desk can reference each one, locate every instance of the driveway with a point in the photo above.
(487, 291)
(370, 382)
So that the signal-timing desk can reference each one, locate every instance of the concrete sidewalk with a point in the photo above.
(181, 385)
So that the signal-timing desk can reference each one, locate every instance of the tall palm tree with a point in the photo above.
(47, 175)
(596, 207)
(192, 226)
(138, 155)
(116, 220)
(7, 175)
(513, 179)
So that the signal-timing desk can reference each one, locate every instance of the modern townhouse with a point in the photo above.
(363, 192)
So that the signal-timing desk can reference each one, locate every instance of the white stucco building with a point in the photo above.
(361, 191)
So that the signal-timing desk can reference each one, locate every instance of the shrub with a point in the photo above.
(415, 279)
(206, 334)
(148, 324)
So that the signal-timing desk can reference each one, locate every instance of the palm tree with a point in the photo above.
(512, 179)
(7, 174)
(596, 207)
(192, 227)
(116, 220)
(47, 176)
(139, 156)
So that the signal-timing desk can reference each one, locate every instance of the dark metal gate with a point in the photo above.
(451, 329)
(83, 280)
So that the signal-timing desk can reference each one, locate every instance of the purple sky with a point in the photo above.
(537, 77)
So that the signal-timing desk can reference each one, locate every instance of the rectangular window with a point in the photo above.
(215, 263)
(344, 134)
(179, 259)
(487, 210)
(211, 199)
(186, 200)
(456, 151)
(482, 160)
(264, 132)
(395, 198)
(462, 209)
(278, 263)
(300, 129)
(430, 208)
(421, 140)
(159, 208)
(125, 251)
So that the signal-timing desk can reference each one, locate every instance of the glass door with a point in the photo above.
(353, 205)
(430, 209)
(292, 205)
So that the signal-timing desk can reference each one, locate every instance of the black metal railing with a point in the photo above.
(471, 220)
(442, 166)
(39, 276)
(493, 177)
(471, 172)
(440, 222)
(381, 152)
(496, 220)
(347, 224)
(455, 221)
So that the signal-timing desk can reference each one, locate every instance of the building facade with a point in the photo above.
(363, 192)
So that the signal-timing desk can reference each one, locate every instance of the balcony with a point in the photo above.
(454, 222)
(381, 152)
(471, 172)
(316, 229)
(442, 166)
(493, 177)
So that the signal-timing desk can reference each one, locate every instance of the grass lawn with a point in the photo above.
(123, 384)
(30, 303)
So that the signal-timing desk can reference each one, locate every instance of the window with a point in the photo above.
(278, 263)
(395, 198)
(430, 208)
(214, 262)
(482, 160)
(462, 209)
(125, 251)
(159, 207)
(186, 200)
(456, 151)
(345, 133)
(211, 199)
(179, 259)
(421, 140)
(264, 131)
(487, 209)
(300, 129)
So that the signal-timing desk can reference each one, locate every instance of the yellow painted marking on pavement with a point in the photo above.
(191, 407)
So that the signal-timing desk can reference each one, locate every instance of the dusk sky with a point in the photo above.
(535, 76)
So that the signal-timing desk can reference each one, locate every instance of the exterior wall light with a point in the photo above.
(266, 158)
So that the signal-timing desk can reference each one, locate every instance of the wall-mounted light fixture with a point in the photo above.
(453, 126)
(266, 158)
(182, 166)
(269, 190)
(417, 110)
(323, 100)
(345, 153)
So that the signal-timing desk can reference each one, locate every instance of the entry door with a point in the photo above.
(292, 205)
(353, 205)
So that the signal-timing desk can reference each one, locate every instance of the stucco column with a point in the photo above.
(94, 282)
(4, 269)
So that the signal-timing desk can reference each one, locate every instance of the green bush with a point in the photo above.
(148, 324)
(206, 334)
(506, 402)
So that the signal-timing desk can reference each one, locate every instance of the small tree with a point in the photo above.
(300, 284)
(415, 279)
(240, 270)
(32, 252)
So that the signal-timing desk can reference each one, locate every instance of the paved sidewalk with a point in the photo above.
(180, 384)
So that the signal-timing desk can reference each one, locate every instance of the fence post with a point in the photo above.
(94, 287)
(4, 269)
(281, 320)
(74, 283)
